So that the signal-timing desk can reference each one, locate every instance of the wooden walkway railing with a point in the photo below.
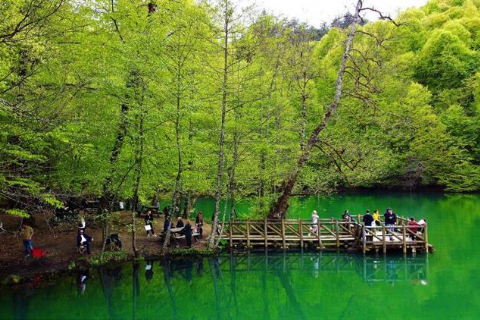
(326, 234)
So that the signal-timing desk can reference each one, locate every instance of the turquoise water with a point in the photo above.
(286, 285)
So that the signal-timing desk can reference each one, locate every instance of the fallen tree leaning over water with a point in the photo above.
(279, 209)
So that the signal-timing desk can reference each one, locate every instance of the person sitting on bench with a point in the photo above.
(180, 223)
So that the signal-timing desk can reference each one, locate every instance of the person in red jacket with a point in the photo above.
(413, 227)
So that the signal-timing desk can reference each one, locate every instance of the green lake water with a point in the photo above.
(286, 285)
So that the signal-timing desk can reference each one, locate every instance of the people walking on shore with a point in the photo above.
(149, 224)
(84, 239)
(27, 233)
(199, 223)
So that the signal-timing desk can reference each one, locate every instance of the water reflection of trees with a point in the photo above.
(110, 278)
(269, 275)
(370, 268)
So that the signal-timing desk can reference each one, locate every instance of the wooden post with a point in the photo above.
(404, 239)
(425, 236)
(283, 233)
(231, 233)
(364, 238)
(384, 240)
(337, 233)
(248, 233)
(300, 231)
(319, 236)
(266, 233)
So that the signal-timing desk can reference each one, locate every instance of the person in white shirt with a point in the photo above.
(84, 239)
(315, 222)
(422, 223)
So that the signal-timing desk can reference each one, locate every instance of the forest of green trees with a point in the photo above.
(136, 99)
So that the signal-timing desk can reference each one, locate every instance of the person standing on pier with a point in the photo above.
(390, 220)
(368, 220)
(315, 222)
(376, 217)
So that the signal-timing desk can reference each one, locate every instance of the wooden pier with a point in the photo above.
(332, 234)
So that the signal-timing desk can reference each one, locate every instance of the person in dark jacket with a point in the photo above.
(166, 223)
(368, 219)
(390, 220)
(180, 223)
(390, 217)
(188, 233)
(84, 239)
(199, 223)
(346, 216)
(149, 222)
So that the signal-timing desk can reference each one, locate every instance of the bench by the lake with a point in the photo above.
(333, 234)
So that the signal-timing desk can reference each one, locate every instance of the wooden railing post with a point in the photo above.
(337, 233)
(319, 236)
(404, 239)
(384, 240)
(248, 233)
(300, 232)
(283, 233)
(425, 237)
(266, 233)
(364, 238)
(231, 233)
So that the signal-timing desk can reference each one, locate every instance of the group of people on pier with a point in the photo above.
(373, 220)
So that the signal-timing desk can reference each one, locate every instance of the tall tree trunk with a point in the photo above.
(107, 199)
(138, 82)
(264, 133)
(304, 117)
(218, 193)
(178, 180)
(190, 200)
(231, 175)
(138, 170)
(106, 202)
(279, 208)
